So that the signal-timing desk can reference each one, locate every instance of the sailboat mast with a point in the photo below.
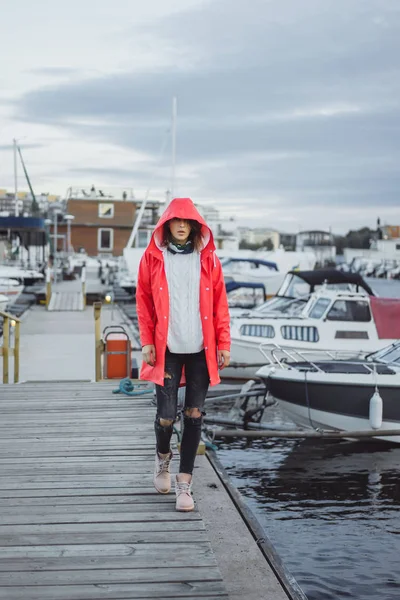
(173, 144)
(15, 178)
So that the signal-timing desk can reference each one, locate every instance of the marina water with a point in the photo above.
(330, 508)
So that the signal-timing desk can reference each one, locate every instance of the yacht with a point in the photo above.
(317, 310)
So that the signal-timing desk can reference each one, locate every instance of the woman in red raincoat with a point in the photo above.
(184, 321)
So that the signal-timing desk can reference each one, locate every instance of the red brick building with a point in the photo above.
(100, 225)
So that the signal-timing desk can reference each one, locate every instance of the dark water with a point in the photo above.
(331, 509)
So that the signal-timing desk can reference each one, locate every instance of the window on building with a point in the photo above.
(350, 310)
(106, 210)
(105, 239)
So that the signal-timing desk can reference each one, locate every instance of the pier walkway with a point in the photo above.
(79, 517)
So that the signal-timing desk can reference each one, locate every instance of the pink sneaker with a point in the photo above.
(162, 475)
(184, 500)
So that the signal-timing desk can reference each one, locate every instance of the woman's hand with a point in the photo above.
(149, 354)
(224, 358)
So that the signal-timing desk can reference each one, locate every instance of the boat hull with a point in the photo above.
(334, 404)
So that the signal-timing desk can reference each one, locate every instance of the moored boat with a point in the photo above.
(347, 395)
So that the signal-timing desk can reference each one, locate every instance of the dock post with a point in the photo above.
(84, 287)
(48, 287)
(6, 347)
(16, 351)
(98, 341)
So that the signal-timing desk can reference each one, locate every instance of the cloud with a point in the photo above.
(54, 71)
(290, 100)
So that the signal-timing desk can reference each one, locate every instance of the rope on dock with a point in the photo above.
(128, 388)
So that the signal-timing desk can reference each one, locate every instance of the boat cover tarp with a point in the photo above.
(332, 276)
(386, 313)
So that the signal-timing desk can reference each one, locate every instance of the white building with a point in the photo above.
(259, 236)
(225, 230)
(381, 250)
(322, 243)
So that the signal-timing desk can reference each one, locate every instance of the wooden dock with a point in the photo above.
(66, 301)
(79, 516)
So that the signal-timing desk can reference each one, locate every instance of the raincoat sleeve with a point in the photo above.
(144, 303)
(221, 309)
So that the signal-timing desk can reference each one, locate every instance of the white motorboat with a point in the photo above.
(348, 395)
(11, 288)
(331, 319)
(253, 270)
(24, 276)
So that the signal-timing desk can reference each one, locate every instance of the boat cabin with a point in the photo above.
(298, 286)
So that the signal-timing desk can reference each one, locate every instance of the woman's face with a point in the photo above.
(180, 230)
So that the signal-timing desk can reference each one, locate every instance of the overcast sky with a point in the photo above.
(288, 110)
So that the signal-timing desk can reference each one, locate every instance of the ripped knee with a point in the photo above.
(193, 413)
(165, 422)
(167, 375)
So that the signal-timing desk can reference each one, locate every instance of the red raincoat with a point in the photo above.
(152, 298)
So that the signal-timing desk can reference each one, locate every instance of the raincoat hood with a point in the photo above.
(181, 208)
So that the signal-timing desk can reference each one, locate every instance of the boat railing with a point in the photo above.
(10, 324)
(273, 353)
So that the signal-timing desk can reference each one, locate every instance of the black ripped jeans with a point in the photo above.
(197, 382)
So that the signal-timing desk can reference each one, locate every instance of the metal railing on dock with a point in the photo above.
(6, 350)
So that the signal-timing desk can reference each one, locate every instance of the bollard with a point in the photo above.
(48, 286)
(98, 340)
(16, 351)
(6, 347)
(83, 279)
(10, 323)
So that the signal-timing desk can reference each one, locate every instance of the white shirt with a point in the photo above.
(185, 334)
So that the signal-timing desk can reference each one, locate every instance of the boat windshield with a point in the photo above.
(389, 354)
(294, 286)
(285, 306)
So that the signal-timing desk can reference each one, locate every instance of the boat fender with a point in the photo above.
(375, 410)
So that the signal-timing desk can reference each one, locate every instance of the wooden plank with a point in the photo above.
(143, 528)
(105, 556)
(49, 452)
(134, 468)
(107, 576)
(207, 590)
(64, 511)
(73, 501)
(97, 517)
(60, 461)
(76, 492)
(176, 536)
